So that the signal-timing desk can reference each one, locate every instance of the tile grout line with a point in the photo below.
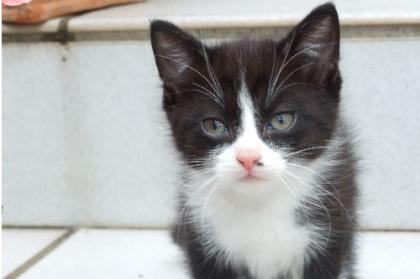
(166, 228)
(40, 255)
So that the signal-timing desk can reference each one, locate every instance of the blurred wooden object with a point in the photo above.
(42, 10)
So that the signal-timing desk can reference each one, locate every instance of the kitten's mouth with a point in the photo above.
(251, 177)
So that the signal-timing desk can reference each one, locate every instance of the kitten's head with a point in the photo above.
(244, 111)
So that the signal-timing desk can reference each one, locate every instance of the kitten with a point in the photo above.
(269, 190)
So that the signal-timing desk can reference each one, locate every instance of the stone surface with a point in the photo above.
(237, 13)
(389, 255)
(151, 254)
(86, 138)
(113, 254)
(19, 245)
(222, 14)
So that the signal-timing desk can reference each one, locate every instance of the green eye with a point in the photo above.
(281, 121)
(214, 127)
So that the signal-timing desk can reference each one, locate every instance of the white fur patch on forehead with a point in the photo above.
(248, 121)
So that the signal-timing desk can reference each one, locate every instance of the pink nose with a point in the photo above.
(248, 159)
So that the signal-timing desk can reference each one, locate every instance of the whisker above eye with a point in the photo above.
(283, 65)
(210, 70)
(195, 71)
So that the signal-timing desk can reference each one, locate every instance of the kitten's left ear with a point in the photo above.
(315, 42)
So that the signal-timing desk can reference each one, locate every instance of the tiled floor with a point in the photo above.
(99, 253)
(20, 245)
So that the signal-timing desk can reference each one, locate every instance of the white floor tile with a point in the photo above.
(19, 245)
(151, 254)
(113, 254)
(389, 255)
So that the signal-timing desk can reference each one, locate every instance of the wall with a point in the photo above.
(85, 140)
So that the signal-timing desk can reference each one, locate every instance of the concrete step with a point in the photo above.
(221, 15)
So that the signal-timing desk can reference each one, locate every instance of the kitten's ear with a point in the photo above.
(315, 42)
(175, 50)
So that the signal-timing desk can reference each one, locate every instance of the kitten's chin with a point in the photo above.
(251, 178)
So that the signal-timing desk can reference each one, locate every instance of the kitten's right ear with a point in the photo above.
(174, 49)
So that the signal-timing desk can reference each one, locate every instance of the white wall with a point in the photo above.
(85, 144)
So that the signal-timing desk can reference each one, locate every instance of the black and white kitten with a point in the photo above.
(269, 188)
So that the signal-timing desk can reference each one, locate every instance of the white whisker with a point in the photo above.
(190, 68)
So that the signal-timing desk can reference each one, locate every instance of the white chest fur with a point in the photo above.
(264, 237)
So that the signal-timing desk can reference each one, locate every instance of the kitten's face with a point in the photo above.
(246, 113)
